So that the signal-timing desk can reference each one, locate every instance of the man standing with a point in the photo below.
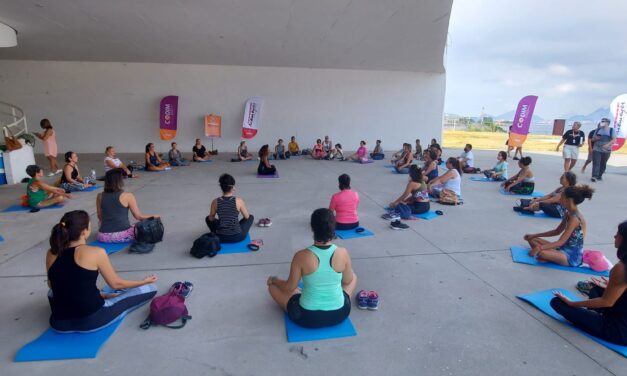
(573, 139)
(603, 139)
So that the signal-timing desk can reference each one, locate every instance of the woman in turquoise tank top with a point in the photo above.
(328, 279)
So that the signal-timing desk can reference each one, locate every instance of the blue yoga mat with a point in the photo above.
(541, 300)
(482, 179)
(240, 247)
(57, 346)
(275, 176)
(521, 255)
(350, 234)
(201, 161)
(91, 188)
(297, 333)
(388, 166)
(20, 208)
(1, 238)
(428, 215)
(537, 215)
(111, 247)
(534, 194)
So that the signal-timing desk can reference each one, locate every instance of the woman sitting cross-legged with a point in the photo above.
(451, 180)
(523, 182)
(39, 194)
(328, 279)
(416, 194)
(430, 168)
(71, 179)
(112, 207)
(499, 171)
(153, 160)
(73, 268)
(402, 165)
(265, 168)
(242, 153)
(175, 157)
(551, 203)
(604, 315)
(228, 208)
(344, 204)
(568, 249)
(199, 152)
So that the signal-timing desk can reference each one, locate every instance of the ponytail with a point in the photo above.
(578, 193)
(69, 229)
(455, 163)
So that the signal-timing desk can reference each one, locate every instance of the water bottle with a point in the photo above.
(93, 175)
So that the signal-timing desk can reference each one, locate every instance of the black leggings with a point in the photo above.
(317, 319)
(550, 210)
(419, 207)
(524, 188)
(245, 225)
(264, 170)
(346, 226)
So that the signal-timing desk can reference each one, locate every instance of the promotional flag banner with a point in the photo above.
(252, 117)
(213, 125)
(168, 113)
(522, 121)
(618, 111)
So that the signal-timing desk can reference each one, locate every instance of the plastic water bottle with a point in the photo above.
(93, 174)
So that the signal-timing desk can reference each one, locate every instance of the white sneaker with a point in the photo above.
(51, 174)
(57, 172)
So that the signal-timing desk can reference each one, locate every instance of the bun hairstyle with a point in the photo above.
(69, 229)
(526, 161)
(455, 163)
(571, 178)
(344, 181)
(415, 174)
(227, 182)
(621, 252)
(68, 156)
(323, 225)
(578, 193)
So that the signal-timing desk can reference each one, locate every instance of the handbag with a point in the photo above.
(206, 245)
(10, 141)
(448, 197)
(149, 230)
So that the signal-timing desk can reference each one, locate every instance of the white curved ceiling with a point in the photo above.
(405, 35)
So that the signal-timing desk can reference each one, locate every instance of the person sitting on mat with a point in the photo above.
(327, 146)
(293, 147)
(279, 151)
(438, 150)
(568, 249)
(450, 180)
(361, 155)
(265, 168)
(112, 207)
(467, 160)
(523, 183)
(40, 194)
(111, 161)
(398, 155)
(377, 153)
(153, 160)
(71, 179)
(418, 150)
(604, 314)
(328, 279)
(318, 150)
(551, 203)
(175, 157)
(344, 205)
(227, 208)
(337, 152)
(242, 153)
(402, 165)
(73, 268)
(499, 171)
(416, 194)
(430, 168)
(199, 152)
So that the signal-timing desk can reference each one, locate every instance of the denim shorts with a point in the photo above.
(574, 255)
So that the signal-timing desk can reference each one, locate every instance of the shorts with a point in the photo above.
(574, 255)
(318, 318)
(570, 152)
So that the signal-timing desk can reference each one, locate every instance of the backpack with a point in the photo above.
(166, 309)
(141, 247)
(448, 197)
(149, 230)
(206, 245)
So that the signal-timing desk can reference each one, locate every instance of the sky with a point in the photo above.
(571, 54)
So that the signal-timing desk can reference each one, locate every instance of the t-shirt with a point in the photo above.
(345, 204)
(470, 158)
(573, 140)
(605, 137)
(116, 162)
(200, 152)
(362, 152)
(293, 147)
(280, 148)
(501, 167)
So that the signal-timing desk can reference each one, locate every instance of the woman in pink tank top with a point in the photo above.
(49, 139)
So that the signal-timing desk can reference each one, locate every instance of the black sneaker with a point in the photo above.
(398, 225)
(517, 209)
(593, 179)
(516, 158)
(600, 178)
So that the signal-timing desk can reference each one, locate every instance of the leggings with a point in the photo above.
(76, 187)
(117, 237)
(524, 188)
(318, 318)
(263, 170)
(552, 210)
(346, 226)
(244, 224)
(111, 311)
(419, 207)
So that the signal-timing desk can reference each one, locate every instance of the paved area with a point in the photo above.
(447, 286)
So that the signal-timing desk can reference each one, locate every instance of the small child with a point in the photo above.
(377, 153)
(499, 172)
(337, 153)
(279, 151)
(40, 194)
(318, 150)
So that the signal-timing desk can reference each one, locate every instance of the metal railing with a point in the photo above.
(12, 118)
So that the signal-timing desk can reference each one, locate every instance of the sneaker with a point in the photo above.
(262, 222)
(57, 172)
(516, 158)
(391, 216)
(184, 289)
(362, 299)
(584, 287)
(600, 178)
(517, 209)
(51, 174)
(398, 225)
(373, 300)
(268, 222)
(593, 180)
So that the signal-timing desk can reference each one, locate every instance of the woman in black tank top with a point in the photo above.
(227, 209)
(71, 179)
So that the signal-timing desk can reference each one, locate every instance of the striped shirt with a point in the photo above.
(228, 215)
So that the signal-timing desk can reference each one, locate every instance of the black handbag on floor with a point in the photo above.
(207, 245)
(149, 230)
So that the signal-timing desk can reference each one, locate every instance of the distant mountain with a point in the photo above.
(593, 117)
(509, 115)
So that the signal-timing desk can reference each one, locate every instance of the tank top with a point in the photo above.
(114, 214)
(74, 290)
(153, 159)
(34, 198)
(433, 174)
(228, 215)
(322, 289)
(615, 318)
(421, 194)
(74, 174)
(575, 240)
(454, 184)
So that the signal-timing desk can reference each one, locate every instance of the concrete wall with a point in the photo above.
(96, 104)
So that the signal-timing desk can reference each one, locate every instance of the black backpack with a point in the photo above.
(141, 247)
(207, 245)
(149, 230)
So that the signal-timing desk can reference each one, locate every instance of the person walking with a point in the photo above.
(572, 139)
(603, 140)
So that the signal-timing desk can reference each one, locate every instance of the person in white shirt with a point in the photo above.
(467, 160)
(111, 161)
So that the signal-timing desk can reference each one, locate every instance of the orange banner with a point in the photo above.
(213, 125)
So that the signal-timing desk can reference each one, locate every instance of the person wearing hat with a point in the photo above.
(603, 140)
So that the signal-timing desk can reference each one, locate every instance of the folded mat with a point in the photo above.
(521, 255)
(483, 179)
(539, 214)
(534, 194)
(276, 175)
(428, 215)
(110, 247)
(350, 234)
(541, 300)
(240, 247)
(20, 208)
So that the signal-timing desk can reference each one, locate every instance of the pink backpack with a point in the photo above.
(166, 309)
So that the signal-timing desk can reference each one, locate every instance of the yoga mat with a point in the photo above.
(482, 179)
(541, 300)
(20, 208)
(111, 248)
(534, 194)
(275, 176)
(350, 234)
(297, 333)
(540, 214)
(201, 161)
(241, 247)
(57, 346)
(91, 188)
(521, 255)
(1, 238)
(388, 166)
(428, 215)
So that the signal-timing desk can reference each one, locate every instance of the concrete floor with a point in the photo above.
(447, 286)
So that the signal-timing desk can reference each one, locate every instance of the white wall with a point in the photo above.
(93, 105)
